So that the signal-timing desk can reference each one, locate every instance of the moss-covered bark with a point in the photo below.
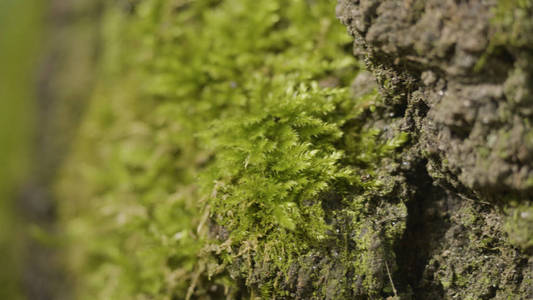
(457, 76)
(238, 149)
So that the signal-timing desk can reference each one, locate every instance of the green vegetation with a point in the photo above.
(18, 36)
(225, 153)
(512, 19)
(519, 225)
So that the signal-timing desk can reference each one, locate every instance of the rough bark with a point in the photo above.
(457, 75)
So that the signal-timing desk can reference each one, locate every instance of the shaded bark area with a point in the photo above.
(425, 222)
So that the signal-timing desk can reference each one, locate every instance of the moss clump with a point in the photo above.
(272, 164)
(519, 226)
(512, 21)
(225, 156)
(285, 195)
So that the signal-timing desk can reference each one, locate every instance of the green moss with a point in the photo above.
(519, 226)
(226, 156)
(510, 19)
(510, 23)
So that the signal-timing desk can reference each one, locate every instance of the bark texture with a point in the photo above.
(457, 75)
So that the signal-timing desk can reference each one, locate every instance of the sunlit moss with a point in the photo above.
(218, 134)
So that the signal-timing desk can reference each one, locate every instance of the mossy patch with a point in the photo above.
(225, 155)
(519, 226)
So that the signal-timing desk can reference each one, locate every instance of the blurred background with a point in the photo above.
(20, 35)
(41, 44)
(55, 55)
